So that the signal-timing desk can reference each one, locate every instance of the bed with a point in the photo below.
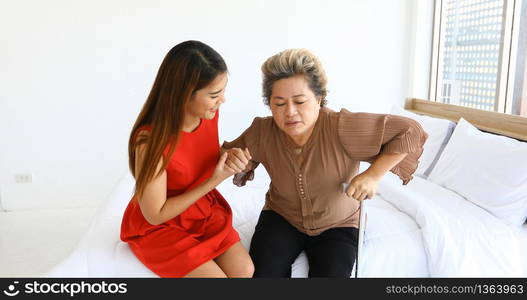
(463, 214)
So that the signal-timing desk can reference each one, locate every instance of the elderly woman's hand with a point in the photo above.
(363, 186)
(238, 159)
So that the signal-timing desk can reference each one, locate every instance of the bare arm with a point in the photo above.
(155, 206)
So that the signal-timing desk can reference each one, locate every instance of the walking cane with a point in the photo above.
(361, 236)
(361, 232)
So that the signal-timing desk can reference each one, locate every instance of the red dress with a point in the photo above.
(200, 233)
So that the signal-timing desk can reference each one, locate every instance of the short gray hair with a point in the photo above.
(289, 63)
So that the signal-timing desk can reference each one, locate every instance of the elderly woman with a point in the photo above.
(309, 151)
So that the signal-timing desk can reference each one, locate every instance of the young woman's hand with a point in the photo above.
(363, 186)
(222, 170)
(238, 159)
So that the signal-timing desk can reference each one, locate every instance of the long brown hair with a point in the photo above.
(187, 67)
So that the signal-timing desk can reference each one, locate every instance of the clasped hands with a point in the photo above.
(237, 160)
(232, 161)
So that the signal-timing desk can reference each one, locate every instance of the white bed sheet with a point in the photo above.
(394, 243)
(522, 237)
(460, 239)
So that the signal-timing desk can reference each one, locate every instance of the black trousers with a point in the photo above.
(276, 244)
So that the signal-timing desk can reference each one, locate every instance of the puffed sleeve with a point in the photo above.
(250, 139)
(364, 136)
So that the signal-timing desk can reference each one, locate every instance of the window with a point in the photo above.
(479, 54)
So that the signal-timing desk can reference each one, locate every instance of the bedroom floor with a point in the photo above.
(33, 241)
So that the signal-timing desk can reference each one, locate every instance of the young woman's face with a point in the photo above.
(294, 106)
(206, 101)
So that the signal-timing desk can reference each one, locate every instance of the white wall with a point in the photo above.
(421, 50)
(74, 75)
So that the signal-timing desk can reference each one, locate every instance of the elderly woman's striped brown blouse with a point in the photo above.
(306, 182)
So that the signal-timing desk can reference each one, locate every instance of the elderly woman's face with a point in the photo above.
(295, 107)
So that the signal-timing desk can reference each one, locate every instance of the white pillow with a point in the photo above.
(439, 131)
(488, 170)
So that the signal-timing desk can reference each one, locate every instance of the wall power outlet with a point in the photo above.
(24, 178)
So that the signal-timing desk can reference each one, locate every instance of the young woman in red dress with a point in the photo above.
(177, 223)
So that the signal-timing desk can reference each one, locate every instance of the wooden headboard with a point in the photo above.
(498, 123)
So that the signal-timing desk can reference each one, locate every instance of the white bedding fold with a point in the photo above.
(460, 238)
